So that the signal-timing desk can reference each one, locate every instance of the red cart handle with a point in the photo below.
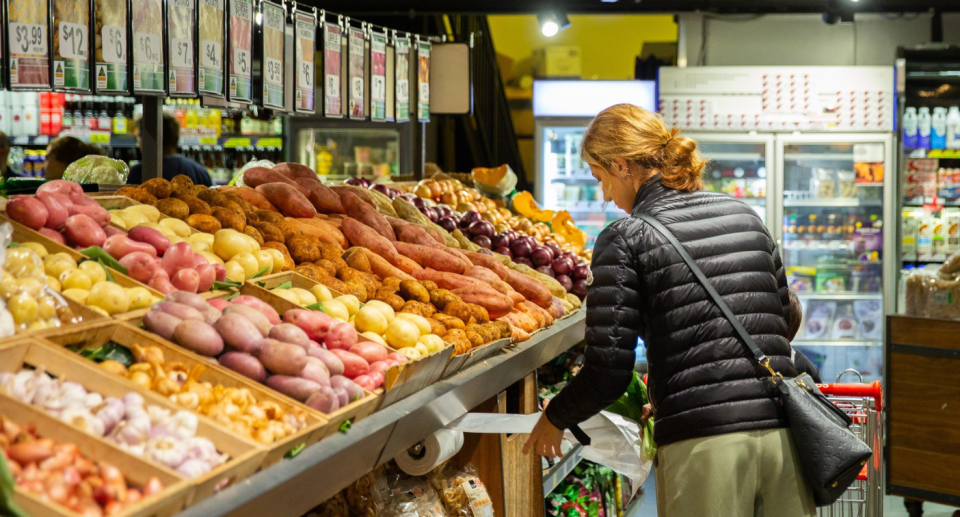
(843, 389)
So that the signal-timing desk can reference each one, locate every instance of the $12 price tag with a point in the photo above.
(210, 54)
(73, 40)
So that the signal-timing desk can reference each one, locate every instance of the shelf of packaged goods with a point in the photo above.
(806, 295)
(584, 206)
(832, 202)
(573, 178)
(831, 245)
(833, 157)
(733, 157)
(947, 154)
(842, 342)
(294, 486)
(558, 472)
(104, 138)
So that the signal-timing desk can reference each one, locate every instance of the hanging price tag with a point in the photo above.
(305, 75)
(210, 53)
(403, 90)
(378, 87)
(73, 41)
(402, 79)
(181, 55)
(28, 38)
(333, 85)
(148, 48)
(274, 70)
(114, 44)
(273, 49)
(241, 61)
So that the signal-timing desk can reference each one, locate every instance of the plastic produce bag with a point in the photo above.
(630, 405)
(462, 492)
(238, 177)
(363, 497)
(97, 169)
(413, 497)
(333, 507)
(26, 300)
(615, 443)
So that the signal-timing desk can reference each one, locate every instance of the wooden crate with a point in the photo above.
(111, 201)
(125, 334)
(245, 455)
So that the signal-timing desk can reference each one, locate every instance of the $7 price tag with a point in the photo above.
(181, 53)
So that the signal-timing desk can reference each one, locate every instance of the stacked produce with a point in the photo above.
(63, 213)
(151, 432)
(87, 283)
(31, 297)
(59, 473)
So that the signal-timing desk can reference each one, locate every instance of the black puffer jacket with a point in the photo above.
(702, 381)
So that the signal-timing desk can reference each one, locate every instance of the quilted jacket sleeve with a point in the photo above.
(782, 288)
(613, 325)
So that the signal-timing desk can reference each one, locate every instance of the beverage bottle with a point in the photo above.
(104, 117)
(923, 128)
(120, 126)
(953, 128)
(31, 113)
(5, 113)
(938, 135)
(180, 113)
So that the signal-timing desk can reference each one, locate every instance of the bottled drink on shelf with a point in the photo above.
(190, 118)
(923, 128)
(5, 113)
(938, 133)
(953, 128)
(104, 118)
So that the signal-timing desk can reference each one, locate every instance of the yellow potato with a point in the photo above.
(150, 212)
(94, 270)
(402, 333)
(235, 271)
(198, 246)
(422, 349)
(131, 219)
(179, 227)
(306, 298)
(321, 292)
(248, 262)
(54, 284)
(203, 237)
(30, 285)
(351, 301)
(422, 324)
(433, 342)
(37, 325)
(376, 338)
(98, 310)
(175, 239)
(46, 307)
(383, 307)
(227, 243)
(277, 257)
(36, 247)
(76, 279)
(78, 295)
(411, 352)
(265, 259)
(370, 319)
(57, 266)
(287, 295)
(336, 309)
(116, 218)
(23, 308)
(211, 258)
(8, 286)
(140, 298)
(109, 297)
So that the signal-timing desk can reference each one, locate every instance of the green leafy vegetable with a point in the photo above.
(630, 405)
(97, 253)
(261, 272)
(285, 285)
(316, 306)
(7, 507)
(110, 351)
(226, 285)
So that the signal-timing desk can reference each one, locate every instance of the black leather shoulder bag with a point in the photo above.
(830, 454)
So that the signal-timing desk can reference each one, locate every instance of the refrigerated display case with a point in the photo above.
(740, 166)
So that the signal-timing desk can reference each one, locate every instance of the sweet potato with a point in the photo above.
(324, 200)
(288, 263)
(407, 265)
(290, 201)
(495, 303)
(383, 269)
(413, 234)
(362, 212)
(544, 319)
(488, 262)
(396, 224)
(449, 281)
(545, 280)
(431, 257)
(255, 198)
(295, 170)
(490, 278)
(361, 235)
(322, 231)
(520, 320)
(357, 259)
(256, 176)
(530, 288)
(340, 190)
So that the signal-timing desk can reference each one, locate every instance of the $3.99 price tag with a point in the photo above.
(114, 44)
(28, 38)
(305, 75)
(274, 70)
(210, 54)
(73, 40)
(241, 61)
(332, 86)
(148, 48)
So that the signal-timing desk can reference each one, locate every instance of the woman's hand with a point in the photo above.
(545, 439)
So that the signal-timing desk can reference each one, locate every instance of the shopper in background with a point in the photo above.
(174, 164)
(4, 155)
(724, 446)
(63, 151)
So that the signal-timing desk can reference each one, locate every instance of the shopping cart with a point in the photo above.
(863, 403)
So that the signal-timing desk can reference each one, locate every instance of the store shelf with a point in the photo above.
(573, 178)
(833, 157)
(104, 138)
(844, 342)
(833, 202)
(932, 153)
(733, 156)
(292, 487)
(832, 245)
(555, 475)
(806, 295)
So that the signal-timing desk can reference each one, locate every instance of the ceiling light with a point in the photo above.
(551, 24)
(550, 28)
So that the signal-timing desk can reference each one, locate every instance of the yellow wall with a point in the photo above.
(608, 43)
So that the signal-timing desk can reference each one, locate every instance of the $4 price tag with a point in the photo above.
(210, 54)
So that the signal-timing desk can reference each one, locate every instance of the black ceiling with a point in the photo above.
(424, 7)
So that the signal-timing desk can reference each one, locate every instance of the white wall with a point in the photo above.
(801, 39)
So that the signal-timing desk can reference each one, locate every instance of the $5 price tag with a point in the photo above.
(241, 61)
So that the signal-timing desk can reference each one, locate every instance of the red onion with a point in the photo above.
(521, 248)
(541, 256)
(581, 272)
(500, 241)
(485, 251)
(580, 288)
(481, 228)
(565, 282)
(448, 223)
(420, 203)
(358, 182)
(482, 240)
(468, 218)
(505, 252)
(523, 260)
(432, 214)
(547, 270)
(562, 266)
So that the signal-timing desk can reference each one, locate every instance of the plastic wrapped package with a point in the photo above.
(238, 177)
(365, 496)
(847, 183)
(28, 301)
(413, 497)
(336, 506)
(824, 183)
(97, 169)
(933, 295)
(462, 492)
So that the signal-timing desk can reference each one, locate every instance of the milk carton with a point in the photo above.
(925, 238)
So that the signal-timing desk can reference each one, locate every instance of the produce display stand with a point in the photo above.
(294, 486)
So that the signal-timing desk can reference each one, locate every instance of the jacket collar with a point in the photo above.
(649, 191)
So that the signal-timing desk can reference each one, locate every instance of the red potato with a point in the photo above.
(324, 400)
(211, 314)
(488, 262)
(295, 170)
(186, 280)
(72, 191)
(83, 231)
(221, 272)
(380, 366)
(370, 352)
(315, 323)
(198, 260)
(333, 363)
(219, 304)
(367, 215)
(353, 364)
(342, 336)
(290, 333)
(110, 231)
(398, 358)
(290, 201)
(361, 235)
(161, 323)
(239, 333)
(261, 322)
(96, 212)
(530, 288)
(294, 387)
(244, 364)
(255, 198)
(378, 378)
(140, 266)
(341, 394)
(57, 208)
(161, 282)
(199, 337)
(120, 246)
(28, 211)
(52, 235)
(316, 371)
(282, 358)
(208, 275)
(365, 382)
(258, 304)
(428, 257)
(184, 312)
(256, 176)
(354, 392)
(193, 300)
(179, 256)
(150, 236)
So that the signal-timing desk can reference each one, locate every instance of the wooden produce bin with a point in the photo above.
(245, 455)
(922, 358)
(474, 356)
(125, 334)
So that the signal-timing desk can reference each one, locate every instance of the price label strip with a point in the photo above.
(211, 71)
(304, 58)
(423, 81)
(378, 77)
(272, 34)
(71, 45)
(29, 51)
(240, 51)
(357, 69)
(110, 50)
(332, 50)
(402, 70)
(148, 72)
(182, 61)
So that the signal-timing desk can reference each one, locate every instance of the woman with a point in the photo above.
(63, 151)
(725, 449)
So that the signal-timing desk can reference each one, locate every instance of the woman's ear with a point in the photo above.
(623, 170)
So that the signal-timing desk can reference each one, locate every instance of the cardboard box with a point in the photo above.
(558, 61)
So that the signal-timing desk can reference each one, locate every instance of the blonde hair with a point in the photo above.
(641, 138)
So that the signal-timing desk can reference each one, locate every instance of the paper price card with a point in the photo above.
(181, 26)
(273, 27)
(305, 55)
(148, 74)
(357, 69)
(71, 45)
(211, 47)
(110, 46)
(423, 81)
(28, 32)
(241, 55)
(402, 51)
(378, 77)
(332, 100)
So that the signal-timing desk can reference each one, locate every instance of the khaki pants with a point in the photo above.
(745, 474)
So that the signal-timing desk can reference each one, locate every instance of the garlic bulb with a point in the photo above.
(184, 424)
(194, 468)
(111, 413)
(133, 431)
(81, 418)
(166, 450)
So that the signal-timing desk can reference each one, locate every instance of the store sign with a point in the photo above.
(332, 49)
(148, 74)
(71, 45)
(378, 77)
(402, 67)
(29, 30)
(273, 72)
(305, 58)
(110, 50)
(212, 36)
(357, 74)
(241, 51)
(181, 26)
(423, 81)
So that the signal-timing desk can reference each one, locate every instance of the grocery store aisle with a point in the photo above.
(646, 505)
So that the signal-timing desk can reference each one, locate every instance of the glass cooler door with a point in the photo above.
(833, 243)
(738, 166)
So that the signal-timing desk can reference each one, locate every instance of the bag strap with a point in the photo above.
(705, 282)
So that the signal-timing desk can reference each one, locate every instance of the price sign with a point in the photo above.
(114, 44)
(403, 90)
(273, 42)
(181, 45)
(274, 70)
(73, 40)
(378, 77)
(402, 79)
(147, 28)
(424, 92)
(28, 38)
(357, 68)
(240, 49)
(304, 56)
(212, 37)
(111, 22)
(210, 54)
(423, 81)
(333, 86)
(148, 49)
(305, 75)
(332, 49)
(241, 61)
(71, 47)
(378, 87)
(181, 53)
